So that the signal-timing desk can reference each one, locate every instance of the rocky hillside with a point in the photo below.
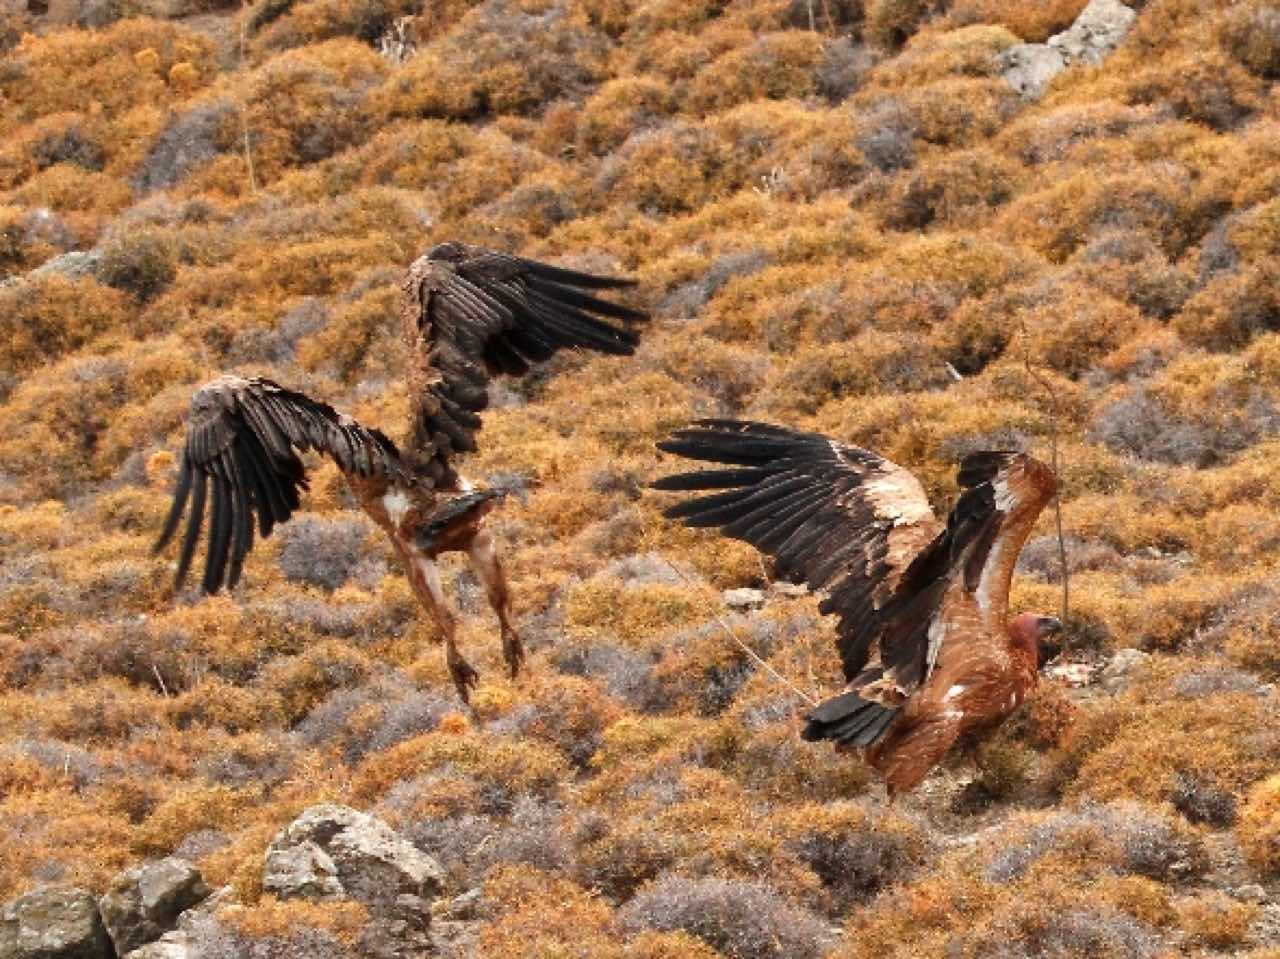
(924, 227)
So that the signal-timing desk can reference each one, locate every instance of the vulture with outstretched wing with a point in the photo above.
(468, 314)
(927, 647)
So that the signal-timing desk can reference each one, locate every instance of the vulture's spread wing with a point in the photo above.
(241, 457)
(844, 519)
(832, 516)
(471, 314)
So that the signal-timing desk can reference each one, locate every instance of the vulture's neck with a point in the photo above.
(1023, 634)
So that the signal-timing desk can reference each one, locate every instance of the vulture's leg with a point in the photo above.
(484, 557)
(426, 577)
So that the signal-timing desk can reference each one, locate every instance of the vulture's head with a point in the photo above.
(1039, 634)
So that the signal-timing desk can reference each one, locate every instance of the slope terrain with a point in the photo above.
(843, 218)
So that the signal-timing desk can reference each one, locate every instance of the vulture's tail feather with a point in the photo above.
(849, 719)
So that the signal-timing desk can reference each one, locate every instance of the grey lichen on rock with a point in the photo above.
(336, 852)
(1028, 67)
(1096, 32)
(144, 903)
(53, 922)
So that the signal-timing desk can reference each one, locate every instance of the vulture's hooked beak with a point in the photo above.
(1049, 641)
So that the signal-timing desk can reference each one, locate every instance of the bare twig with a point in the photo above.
(244, 106)
(755, 657)
(1054, 460)
(160, 679)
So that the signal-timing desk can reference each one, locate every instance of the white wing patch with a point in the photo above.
(953, 692)
(1004, 495)
(397, 504)
(897, 499)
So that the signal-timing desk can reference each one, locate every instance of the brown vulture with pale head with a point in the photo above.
(927, 647)
(468, 314)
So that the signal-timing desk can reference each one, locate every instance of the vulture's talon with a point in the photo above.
(464, 676)
(513, 652)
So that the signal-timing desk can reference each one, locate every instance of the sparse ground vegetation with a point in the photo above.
(843, 219)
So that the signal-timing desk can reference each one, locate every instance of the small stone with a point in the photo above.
(172, 945)
(744, 598)
(73, 265)
(53, 922)
(144, 903)
(1122, 668)
(1075, 675)
(401, 931)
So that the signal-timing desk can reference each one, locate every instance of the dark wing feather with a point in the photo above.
(471, 314)
(843, 519)
(241, 457)
(833, 516)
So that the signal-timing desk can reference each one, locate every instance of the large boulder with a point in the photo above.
(336, 852)
(54, 922)
(144, 903)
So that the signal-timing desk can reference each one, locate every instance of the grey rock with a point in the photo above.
(1250, 892)
(744, 598)
(172, 945)
(1028, 68)
(454, 939)
(1096, 32)
(144, 903)
(184, 941)
(1122, 669)
(399, 932)
(301, 870)
(73, 265)
(465, 906)
(53, 922)
(336, 852)
(1265, 930)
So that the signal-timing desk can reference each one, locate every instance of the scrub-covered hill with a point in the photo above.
(843, 217)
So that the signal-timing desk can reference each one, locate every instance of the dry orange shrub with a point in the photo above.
(1217, 921)
(956, 190)
(778, 66)
(1259, 826)
(546, 915)
(1032, 22)
(272, 917)
(619, 108)
(1123, 222)
(116, 69)
(935, 55)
